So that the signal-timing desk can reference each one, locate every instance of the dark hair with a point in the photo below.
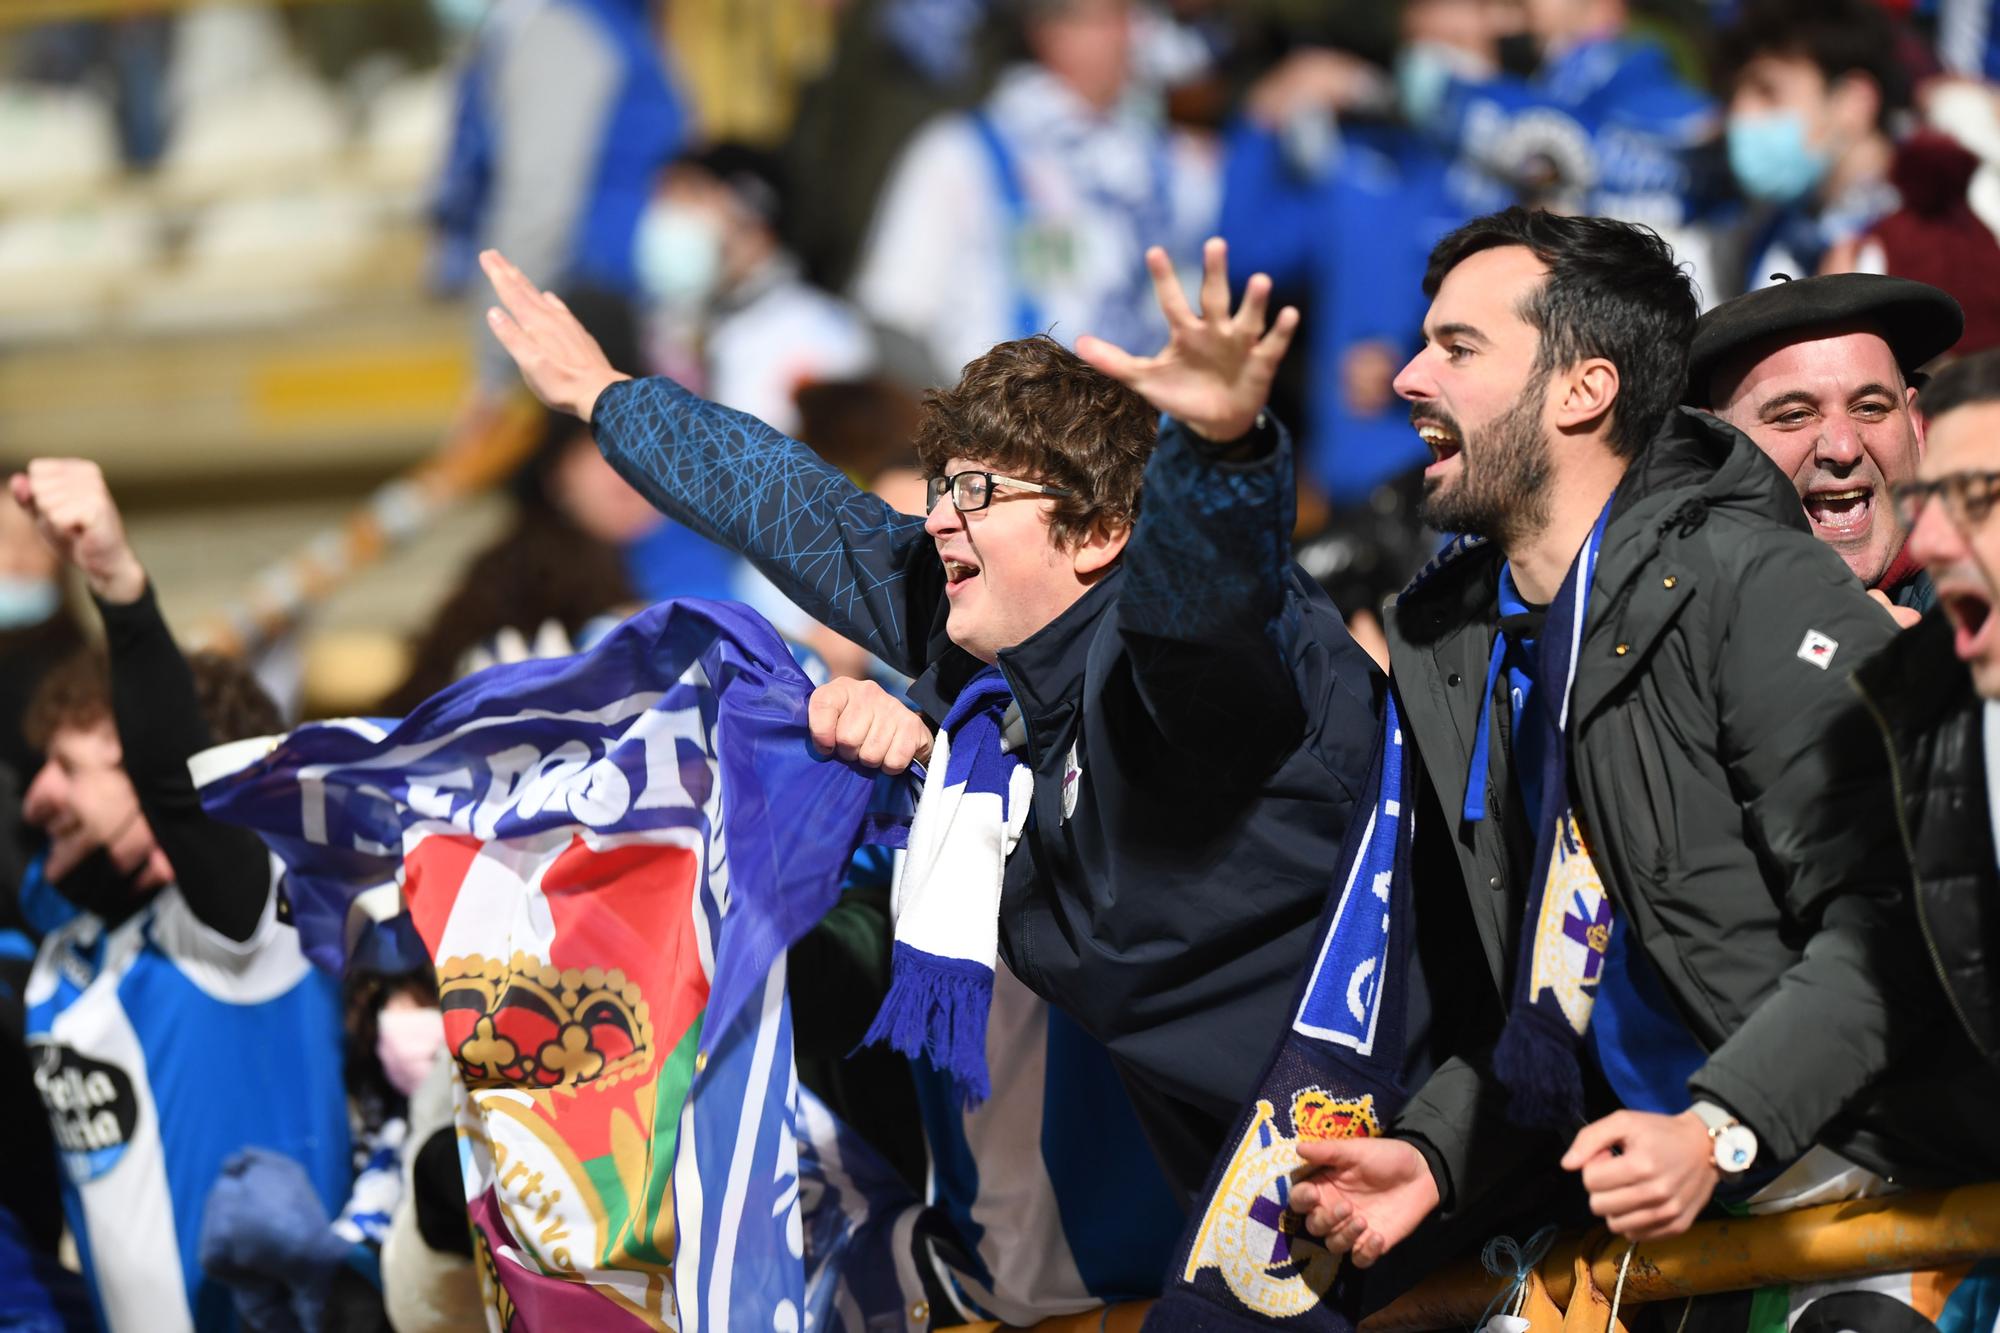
(754, 176)
(1034, 409)
(1966, 382)
(77, 693)
(1614, 290)
(1839, 36)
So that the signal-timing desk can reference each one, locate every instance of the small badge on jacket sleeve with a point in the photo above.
(1817, 649)
(1072, 778)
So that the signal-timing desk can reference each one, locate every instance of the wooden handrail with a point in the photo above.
(1932, 1229)
(1919, 1230)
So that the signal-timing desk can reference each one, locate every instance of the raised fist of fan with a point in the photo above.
(561, 362)
(1215, 372)
(74, 512)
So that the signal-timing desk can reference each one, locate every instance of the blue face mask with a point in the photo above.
(1772, 159)
(678, 254)
(26, 601)
(459, 17)
(1423, 77)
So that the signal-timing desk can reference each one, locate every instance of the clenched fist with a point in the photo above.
(862, 722)
(73, 510)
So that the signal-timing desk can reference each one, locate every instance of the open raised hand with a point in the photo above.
(1215, 371)
(561, 362)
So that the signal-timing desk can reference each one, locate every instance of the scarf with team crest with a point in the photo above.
(1567, 929)
(1339, 1070)
(946, 900)
(1336, 1074)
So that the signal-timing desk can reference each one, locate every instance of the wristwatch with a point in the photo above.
(1735, 1146)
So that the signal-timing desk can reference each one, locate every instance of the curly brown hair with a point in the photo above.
(77, 693)
(1033, 409)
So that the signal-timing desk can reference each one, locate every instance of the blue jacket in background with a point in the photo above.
(1199, 724)
(1349, 239)
(1610, 117)
(642, 132)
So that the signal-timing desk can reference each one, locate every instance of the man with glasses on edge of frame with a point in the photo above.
(1196, 720)
(1935, 694)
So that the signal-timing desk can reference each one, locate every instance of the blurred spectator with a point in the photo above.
(1032, 212)
(1583, 115)
(265, 1231)
(1821, 373)
(429, 1282)
(565, 116)
(742, 324)
(564, 562)
(1344, 218)
(1968, 38)
(1935, 237)
(173, 1018)
(1812, 85)
(127, 57)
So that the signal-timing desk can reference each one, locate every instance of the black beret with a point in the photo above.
(1918, 320)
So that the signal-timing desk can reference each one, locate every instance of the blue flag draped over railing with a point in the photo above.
(607, 857)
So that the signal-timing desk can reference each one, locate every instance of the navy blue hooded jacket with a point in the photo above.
(1203, 700)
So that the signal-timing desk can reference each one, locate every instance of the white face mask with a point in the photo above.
(459, 17)
(678, 253)
(408, 1043)
(27, 601)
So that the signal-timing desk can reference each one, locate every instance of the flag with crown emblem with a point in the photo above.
(607, 857)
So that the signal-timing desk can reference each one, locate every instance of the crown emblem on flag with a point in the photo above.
(530, 1024)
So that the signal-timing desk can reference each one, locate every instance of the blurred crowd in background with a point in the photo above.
(238, 250)
(814, 210)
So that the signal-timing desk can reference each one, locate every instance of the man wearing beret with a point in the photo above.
(1821, 373)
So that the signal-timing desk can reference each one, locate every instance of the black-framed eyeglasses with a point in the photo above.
(973, 491)
(1968, 497)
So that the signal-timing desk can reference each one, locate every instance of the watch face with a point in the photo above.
(1735, 1149)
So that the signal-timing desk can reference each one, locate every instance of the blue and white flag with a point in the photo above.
(607, 857)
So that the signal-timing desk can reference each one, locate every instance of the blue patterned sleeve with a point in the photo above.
(848, 560)
(1207, 615)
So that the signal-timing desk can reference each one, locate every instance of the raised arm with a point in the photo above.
(849, 560)
(224, 873)
(1204, 611)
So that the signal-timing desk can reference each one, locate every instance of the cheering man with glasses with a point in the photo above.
(1935, 694)
(1191, 721)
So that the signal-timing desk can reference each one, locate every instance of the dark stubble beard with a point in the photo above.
(1502, 490)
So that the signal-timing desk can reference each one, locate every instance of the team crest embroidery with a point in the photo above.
(1072, 780)
(1249, 1233)
(1575, 928)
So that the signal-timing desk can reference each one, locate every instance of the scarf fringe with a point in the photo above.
(937, 1007)
(1536, 1060)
